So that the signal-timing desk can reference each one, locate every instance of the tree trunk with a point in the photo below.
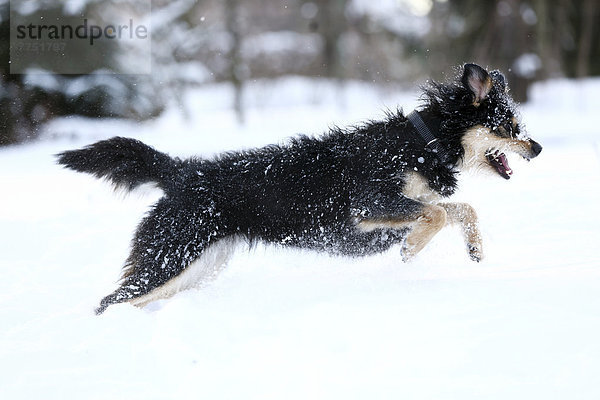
(235, 58)
(331, 25)
(588, 11)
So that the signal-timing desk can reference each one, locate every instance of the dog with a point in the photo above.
(351, 192)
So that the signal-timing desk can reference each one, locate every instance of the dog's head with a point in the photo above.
(495, 127)
(480, 117)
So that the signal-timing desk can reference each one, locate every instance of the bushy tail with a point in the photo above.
(125, 162)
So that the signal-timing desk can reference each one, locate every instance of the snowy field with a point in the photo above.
(285, 324)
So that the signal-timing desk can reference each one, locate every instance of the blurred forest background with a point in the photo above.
(198, 42)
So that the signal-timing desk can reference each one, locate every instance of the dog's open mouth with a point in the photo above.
(498, 160)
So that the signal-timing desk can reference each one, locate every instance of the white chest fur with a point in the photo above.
(417, 188)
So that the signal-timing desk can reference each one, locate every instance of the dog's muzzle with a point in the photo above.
(529, 149)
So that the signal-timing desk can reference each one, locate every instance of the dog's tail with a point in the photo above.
(126, 163)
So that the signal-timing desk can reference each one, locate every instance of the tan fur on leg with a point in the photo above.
(424, 226)
(428, 223)
(465, 215)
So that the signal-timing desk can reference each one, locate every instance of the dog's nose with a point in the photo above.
(536, 148)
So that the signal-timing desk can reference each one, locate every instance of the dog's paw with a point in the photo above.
(475, 252)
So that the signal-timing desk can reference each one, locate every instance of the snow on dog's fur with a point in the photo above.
(353, 192)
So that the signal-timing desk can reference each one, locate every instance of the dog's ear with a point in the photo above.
(478, 81)
(499, 80)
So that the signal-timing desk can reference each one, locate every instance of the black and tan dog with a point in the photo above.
(349, 192)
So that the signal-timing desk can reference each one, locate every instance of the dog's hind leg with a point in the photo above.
(464, 215)
(205, 267)
(169, 239)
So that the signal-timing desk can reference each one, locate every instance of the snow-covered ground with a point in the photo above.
(287, 324)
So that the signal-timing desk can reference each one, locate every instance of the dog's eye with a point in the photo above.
(508, 127)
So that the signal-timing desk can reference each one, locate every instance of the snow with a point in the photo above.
(526, 65)
(293, 324)
(281, 42)
(404, 17)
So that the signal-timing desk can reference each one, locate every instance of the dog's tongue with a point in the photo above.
(499, 161)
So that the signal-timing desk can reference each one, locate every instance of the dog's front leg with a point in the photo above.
(424, 225)
(428, 223)
(465, 215)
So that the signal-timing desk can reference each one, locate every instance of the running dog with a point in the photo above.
(350, 192)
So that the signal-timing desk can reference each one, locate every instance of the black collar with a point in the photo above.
(431, 142)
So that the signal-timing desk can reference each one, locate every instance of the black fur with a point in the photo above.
(308, 193)
(125, 162)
